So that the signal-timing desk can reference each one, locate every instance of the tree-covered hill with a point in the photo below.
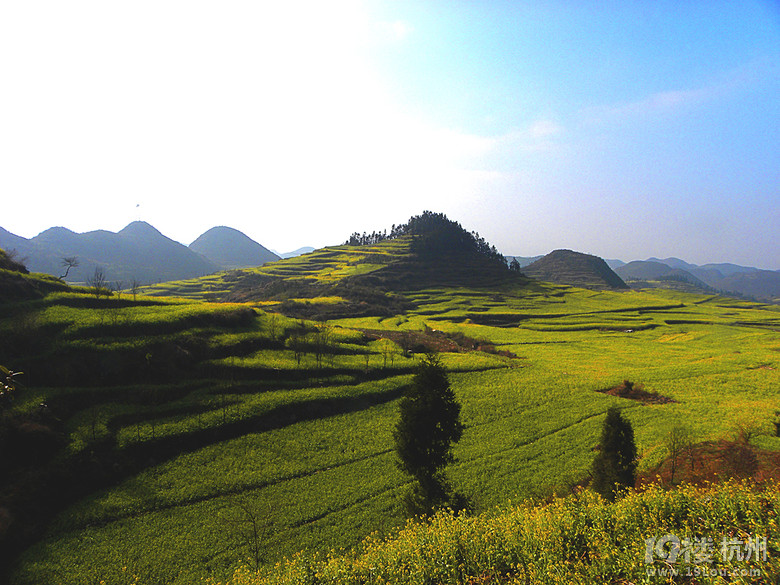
(575, 269)
(369, 275)
(435, 236)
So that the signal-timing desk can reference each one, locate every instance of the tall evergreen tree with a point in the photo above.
(615, 465)
(429, 423)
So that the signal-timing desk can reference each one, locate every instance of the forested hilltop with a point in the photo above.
(433, 235)
(369, 277)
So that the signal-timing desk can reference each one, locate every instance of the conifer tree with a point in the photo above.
(615, 465)
(428, 425)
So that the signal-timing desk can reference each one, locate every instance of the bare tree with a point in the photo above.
(116, 311)
(251, 526)
(135, 286)
(67, 263)
(98, 283)
(406, 342)
(387, 352)
(322, 341)
(273, 322)
(678, 443)
(301, 340)
(296, 341)
(14, 256)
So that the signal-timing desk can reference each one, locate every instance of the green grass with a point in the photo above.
(218, 416)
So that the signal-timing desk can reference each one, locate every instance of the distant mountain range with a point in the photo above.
(731, 278)
(745, 281)
(298, 252)
(138, 252)
(524, 261)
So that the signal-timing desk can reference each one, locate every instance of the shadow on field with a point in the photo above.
(32, 500)
(136, 457)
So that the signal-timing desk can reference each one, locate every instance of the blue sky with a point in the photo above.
(623, 129)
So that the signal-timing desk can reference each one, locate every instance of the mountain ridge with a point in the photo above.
(726, 277)
(297, 252)
(139, 252)
(142, 253)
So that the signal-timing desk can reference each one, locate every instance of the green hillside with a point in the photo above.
(575, 269)
(370, 275)
(16, 282)
(8, 263)
(170, 439)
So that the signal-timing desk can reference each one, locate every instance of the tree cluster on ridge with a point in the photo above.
(433, 234)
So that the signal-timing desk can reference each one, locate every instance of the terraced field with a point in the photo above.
(327, 265)
(200, 436)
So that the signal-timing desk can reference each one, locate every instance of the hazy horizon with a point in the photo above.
(304, 245)
(627, 130)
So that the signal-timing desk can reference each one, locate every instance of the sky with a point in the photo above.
(622, 129)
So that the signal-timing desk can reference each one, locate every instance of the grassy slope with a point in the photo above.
(327, 265)
(572, 540)
(246, 433)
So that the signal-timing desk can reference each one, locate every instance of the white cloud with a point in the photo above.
(539, 142)
(660, 103)
(543, 129)
(673, 101)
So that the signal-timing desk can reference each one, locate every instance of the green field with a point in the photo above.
(202, 437)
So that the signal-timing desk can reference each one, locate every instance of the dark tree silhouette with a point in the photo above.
(10, 260)
(428, 425)
(67, 263)
(615, 465)
(433, 235)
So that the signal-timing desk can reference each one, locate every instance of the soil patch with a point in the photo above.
(437, 341)
(714, 461)
(633, 391)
